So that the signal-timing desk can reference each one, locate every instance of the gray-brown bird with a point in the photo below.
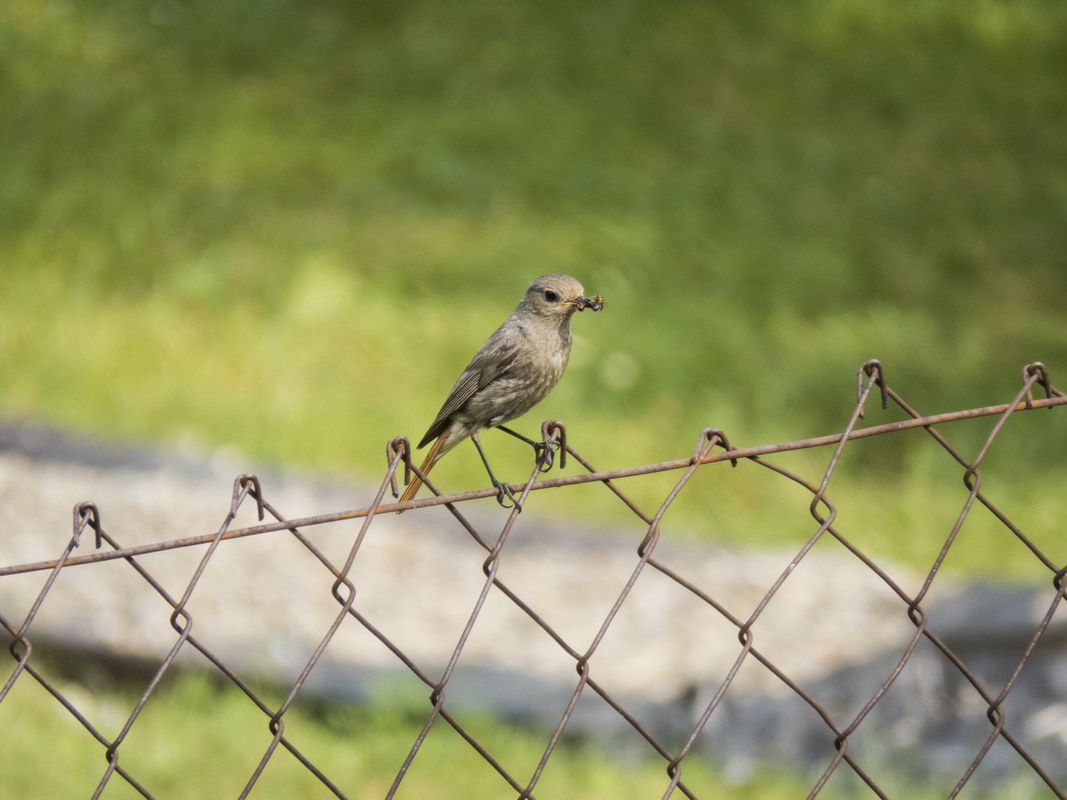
(511, 373)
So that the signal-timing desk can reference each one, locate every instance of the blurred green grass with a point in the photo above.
(192, 720)
(286, 228)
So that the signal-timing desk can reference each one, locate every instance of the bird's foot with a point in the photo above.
(506, 496)
(545, 454)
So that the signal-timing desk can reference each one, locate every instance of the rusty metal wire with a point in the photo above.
(712, 447)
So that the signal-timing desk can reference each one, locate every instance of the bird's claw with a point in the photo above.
(545, 454)
(506, 496)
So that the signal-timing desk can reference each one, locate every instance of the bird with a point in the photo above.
(516, 367)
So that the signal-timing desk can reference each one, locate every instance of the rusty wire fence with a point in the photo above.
(713, 447)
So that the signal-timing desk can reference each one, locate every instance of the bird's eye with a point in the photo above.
(551, 296)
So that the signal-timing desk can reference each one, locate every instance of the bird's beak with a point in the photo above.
(583, 303)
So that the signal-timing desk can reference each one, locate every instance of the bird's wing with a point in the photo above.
(486, 366)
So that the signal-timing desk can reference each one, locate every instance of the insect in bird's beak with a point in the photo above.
(596, 304)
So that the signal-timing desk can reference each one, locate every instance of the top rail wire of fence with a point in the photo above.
(713, 446)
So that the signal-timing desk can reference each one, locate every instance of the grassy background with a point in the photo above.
(354, 747)
(283, 227)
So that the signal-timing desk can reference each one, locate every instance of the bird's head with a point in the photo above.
(558, 296)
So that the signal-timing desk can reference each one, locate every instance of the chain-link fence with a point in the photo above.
(338, 577)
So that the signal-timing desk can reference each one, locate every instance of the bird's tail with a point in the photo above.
(431, 458)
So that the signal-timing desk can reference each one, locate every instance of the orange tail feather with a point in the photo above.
(431, 458)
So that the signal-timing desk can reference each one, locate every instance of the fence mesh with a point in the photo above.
(712, 447)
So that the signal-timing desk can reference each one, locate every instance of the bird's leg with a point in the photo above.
(505, 492)
(546, 448)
